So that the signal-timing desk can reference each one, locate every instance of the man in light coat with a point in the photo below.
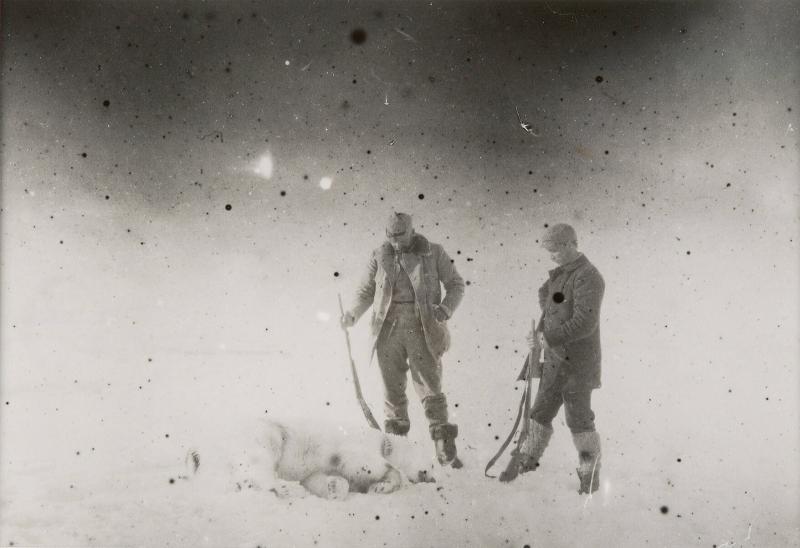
(403, 285)
(569, 332)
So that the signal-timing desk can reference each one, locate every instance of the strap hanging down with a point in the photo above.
(512, 470)
(522, 408)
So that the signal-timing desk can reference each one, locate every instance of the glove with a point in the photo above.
(440, 313)
(347, 320)
(535, 340)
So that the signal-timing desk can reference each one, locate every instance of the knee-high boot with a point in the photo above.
(588, 446)
(533, 446)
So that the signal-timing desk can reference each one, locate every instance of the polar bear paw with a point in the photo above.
(285, 490)
(381, 488)
(387, 447)
(338, 487)
(327, 487)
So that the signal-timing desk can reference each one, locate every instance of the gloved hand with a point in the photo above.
(440, 313)
(347, 320)
(535, 340)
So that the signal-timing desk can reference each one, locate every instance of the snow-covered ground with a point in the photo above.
(699, 419)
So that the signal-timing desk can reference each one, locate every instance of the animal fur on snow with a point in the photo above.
(327, 460)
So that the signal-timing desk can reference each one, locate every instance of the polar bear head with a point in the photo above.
(405, 457)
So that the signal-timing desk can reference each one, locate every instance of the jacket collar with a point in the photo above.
(419, 246)
(569, 267)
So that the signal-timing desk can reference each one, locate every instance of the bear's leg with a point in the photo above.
(327, 487)
(287, 490)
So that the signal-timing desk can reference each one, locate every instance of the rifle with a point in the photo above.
(512, 469)
(364, 407)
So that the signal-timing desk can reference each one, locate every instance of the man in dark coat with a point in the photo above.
(569, 332)
(403, 285)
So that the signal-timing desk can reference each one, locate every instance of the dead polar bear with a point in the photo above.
(328, 460)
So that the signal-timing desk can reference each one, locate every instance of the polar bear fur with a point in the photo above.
(327, 460)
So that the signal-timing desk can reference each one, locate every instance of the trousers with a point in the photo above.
(577, 406)
(401, 347)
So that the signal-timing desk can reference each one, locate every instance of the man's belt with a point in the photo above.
(402, 302)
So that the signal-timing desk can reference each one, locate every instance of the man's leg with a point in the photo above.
(545, 408)
(580, 419)
(427, 381)
(392, 363)
(426, 374)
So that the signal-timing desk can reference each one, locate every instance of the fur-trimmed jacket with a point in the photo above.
(429, 268)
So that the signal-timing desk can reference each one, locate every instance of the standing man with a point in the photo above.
(569, 332)
(403, 284)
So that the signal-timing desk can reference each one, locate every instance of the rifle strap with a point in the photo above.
(524, 404)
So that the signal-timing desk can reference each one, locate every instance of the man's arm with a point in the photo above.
(365, 292)
(451, 280)
(587, 297)
(544, 293)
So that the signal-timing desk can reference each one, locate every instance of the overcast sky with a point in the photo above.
(219, 170)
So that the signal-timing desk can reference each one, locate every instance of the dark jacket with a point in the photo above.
(570, 301)
(428, 267)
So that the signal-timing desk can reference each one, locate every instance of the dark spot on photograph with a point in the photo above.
(358, 36)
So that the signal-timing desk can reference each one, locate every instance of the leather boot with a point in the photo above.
(444, 439)
(398, 427)
(588, 446)
(533, 446)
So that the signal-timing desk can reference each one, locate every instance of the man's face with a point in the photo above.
(400, 240)
(561, 253)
